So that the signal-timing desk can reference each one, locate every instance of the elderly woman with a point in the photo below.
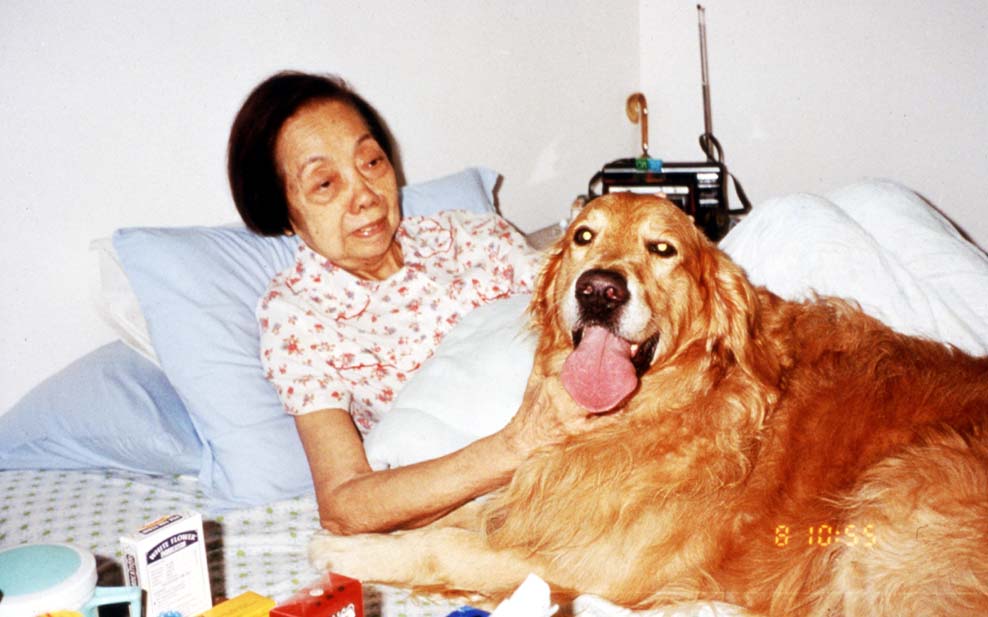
(368, 301)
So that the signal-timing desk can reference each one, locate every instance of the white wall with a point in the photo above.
(116, 113)
(808, 96)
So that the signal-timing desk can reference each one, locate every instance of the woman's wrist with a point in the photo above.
(498, 457)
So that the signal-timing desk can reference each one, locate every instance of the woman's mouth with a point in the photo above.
(370, 230)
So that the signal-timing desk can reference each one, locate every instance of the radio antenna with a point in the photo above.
(708, 128)
(708, 143)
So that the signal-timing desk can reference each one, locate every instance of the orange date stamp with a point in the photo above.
(825, 535)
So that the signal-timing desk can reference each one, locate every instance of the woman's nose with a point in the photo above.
(364, 196)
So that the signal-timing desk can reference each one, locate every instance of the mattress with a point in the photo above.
(261, 549)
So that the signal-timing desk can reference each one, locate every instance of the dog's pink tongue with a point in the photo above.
(599, 374)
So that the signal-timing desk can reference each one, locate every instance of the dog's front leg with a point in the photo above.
(443, 558)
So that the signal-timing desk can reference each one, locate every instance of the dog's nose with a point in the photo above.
(599, 292)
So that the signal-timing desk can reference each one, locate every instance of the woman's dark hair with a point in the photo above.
(257, 187)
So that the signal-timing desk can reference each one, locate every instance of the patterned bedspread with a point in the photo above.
(261, 549)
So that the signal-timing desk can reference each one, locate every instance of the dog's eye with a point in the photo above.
(583, 236)
(661, 248)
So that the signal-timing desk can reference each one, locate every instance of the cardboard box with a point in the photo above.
(167, 559)
(247, 604)
(332, 596)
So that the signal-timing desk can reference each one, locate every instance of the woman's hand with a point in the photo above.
(354, 499)
(547, 416)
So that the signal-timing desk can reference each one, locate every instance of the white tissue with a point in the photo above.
(531, 599)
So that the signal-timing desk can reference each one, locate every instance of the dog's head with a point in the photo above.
(632, 286)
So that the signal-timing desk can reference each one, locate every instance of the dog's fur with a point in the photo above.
(757, 420)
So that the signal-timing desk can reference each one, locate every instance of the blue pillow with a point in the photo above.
(112, 408)
(471, 189)
(198, 288)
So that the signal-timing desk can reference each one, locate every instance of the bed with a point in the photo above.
(177, 415)
(260, 548)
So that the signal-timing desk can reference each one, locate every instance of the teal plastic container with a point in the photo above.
(41, 578)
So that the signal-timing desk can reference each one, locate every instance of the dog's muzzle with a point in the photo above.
(600, 293)
(603, 369)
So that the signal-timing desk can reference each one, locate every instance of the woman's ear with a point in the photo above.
(290, 229)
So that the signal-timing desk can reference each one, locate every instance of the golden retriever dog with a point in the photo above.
(792, 458)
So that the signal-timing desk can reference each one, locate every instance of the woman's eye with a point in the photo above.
(322, 188)
(661, 248)
(583, 236)
(377, 164)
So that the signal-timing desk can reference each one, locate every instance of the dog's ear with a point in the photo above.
(731, 305)
(543, 296)
(544, 310)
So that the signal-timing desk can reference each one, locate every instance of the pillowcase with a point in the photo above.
(197, 288)
(490, 351)
(471, 189)
(111, 408)
(116, 302)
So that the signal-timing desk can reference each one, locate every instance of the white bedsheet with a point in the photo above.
(261, 549)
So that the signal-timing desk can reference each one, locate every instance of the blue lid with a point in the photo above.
(40, 573)
(33, 567)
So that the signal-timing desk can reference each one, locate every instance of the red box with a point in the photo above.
(334, 595)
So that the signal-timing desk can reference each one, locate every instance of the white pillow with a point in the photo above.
(470, 388)
(116, 302)
(875, 242)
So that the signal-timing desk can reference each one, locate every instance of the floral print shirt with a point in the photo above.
(332, 340)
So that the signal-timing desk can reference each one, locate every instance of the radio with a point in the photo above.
(698, 188)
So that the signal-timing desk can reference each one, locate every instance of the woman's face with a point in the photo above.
(341, 189)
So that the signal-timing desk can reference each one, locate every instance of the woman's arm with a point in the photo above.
(354, 499)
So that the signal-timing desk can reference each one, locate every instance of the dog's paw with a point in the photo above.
(327, 551)
(363, 556)
(320, 550)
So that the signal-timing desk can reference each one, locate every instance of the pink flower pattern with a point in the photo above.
(332, 340)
